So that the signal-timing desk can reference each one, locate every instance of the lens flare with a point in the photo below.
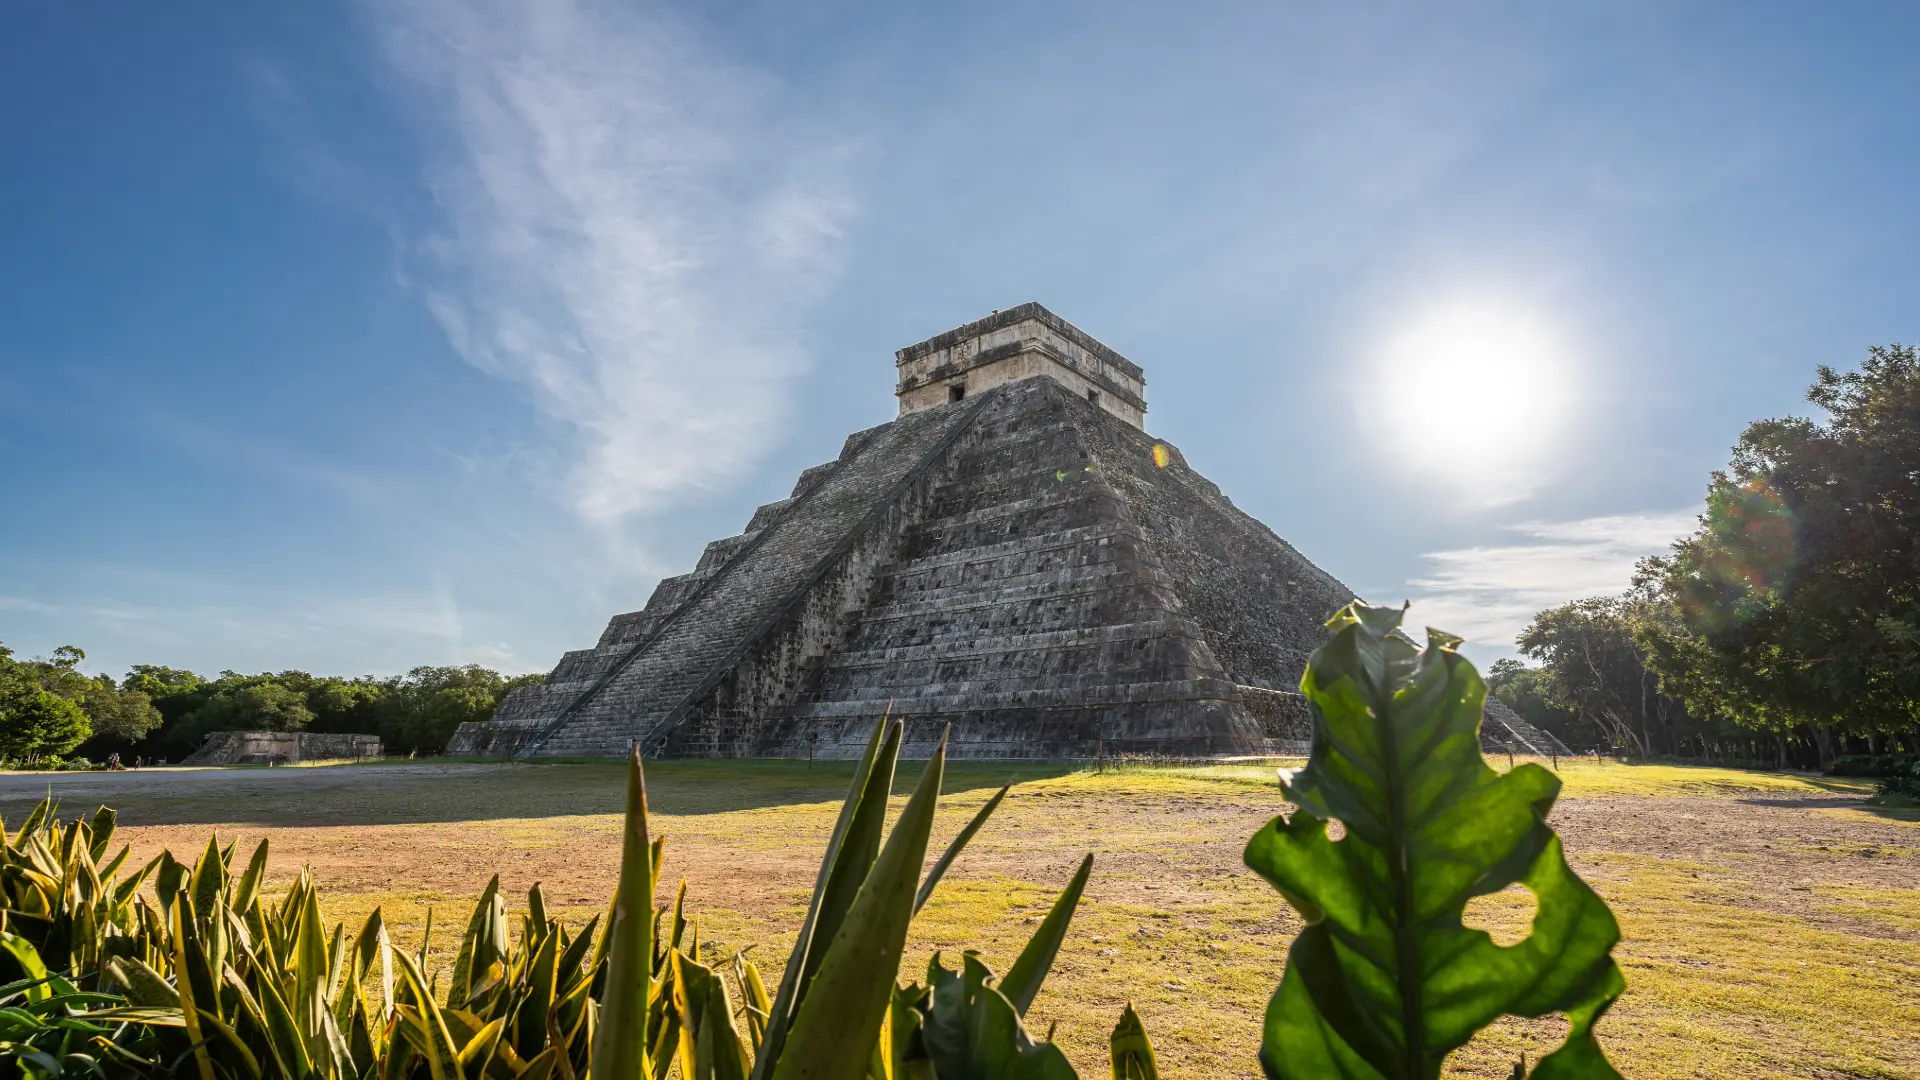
(1162, 457)
(1479, 390)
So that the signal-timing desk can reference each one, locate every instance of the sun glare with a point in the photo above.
(1477, 386)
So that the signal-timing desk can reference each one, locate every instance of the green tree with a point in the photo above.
(258, 706)
(1593, 666)
(117, 715)
(35, 722)
(425, 706)
(1797, 601)
(160, 683)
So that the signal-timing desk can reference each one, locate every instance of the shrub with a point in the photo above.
(35, 722)
(1904, 785)
(1871, 765)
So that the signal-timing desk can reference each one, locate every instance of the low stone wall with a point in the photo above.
(282, 748)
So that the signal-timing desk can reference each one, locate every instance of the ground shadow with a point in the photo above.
(1857, 802)
(454, 791)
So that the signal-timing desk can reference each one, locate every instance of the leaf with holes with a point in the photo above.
(1385, 980)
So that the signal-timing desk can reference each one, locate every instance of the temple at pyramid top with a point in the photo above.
(1011, 563)
(1015, 344)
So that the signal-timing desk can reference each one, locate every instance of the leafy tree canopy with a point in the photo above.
(1798, 599)
(36, 722)
(1594, 668)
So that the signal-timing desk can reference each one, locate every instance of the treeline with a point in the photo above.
(50, 710)
(1786, 628)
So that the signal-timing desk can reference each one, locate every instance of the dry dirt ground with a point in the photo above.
(1772, 922)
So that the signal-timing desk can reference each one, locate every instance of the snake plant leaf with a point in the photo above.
(620, 1043)
(786, 1001)
(425, 1024)
(973, 1032)
(833, 1035)
(906, 1051)
(1023, 979)
(480, 945)
(247, 893)
(1131, 1050)
(1385, 980)
(180, 919)
(28, 958)
(101, 828)
(209, 876)
(529, 1034)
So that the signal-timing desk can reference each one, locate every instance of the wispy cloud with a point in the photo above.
(631, 229)
(1488, 594)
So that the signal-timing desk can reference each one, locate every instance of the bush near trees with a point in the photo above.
(1786, 628)
(49, 709)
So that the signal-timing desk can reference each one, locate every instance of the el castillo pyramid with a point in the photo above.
(1013, 555)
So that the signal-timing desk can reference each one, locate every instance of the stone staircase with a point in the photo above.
(649, 664)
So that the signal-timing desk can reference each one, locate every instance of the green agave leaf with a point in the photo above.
(973, 1032)
(1023, 979)
(620, 1044)
(953, 850)
(1385, 980)
(836, 862)
(1132, 1051)
(833, 1035)
(710, 1047)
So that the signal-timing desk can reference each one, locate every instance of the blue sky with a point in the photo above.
(350, 337)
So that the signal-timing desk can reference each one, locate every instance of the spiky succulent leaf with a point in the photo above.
(620, 1045)
(1023, 979)
(833, 1036)
(973, 1032)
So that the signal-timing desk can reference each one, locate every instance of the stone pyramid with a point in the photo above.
(1014, 556)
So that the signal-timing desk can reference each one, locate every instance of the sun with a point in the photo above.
(1479, 389)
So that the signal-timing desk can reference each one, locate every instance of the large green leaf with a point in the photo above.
(1386, 980)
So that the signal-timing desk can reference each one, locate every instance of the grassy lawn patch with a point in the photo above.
(1772, 920)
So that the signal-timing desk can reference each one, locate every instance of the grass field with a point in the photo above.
(1772, 921)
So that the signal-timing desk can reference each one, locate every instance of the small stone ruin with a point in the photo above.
(282, 748)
